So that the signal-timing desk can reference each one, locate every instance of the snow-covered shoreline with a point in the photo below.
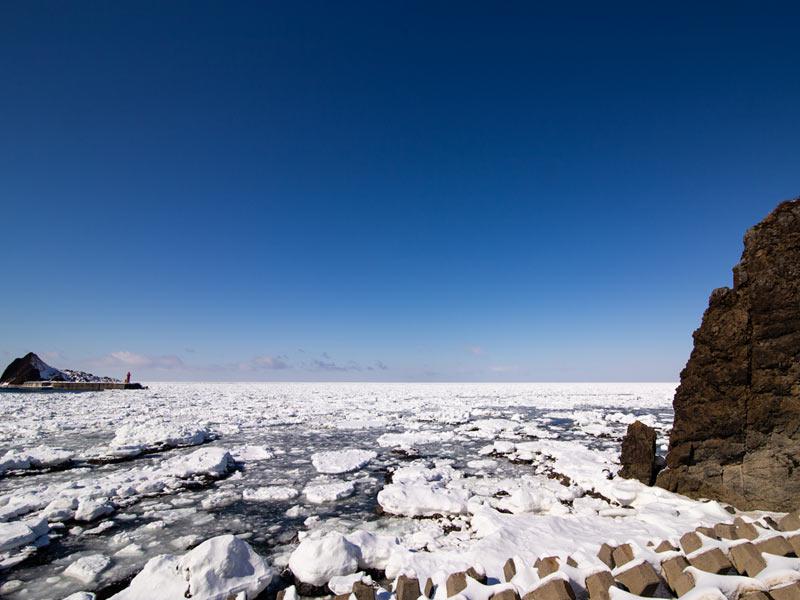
(425, 477)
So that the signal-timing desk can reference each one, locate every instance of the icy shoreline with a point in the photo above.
(491, 469)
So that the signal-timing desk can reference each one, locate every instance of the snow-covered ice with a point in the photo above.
(332, 480)
(315, 561)
(341, 461)
(218, 569)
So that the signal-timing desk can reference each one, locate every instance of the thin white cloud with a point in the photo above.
(132, 360)
(265, 363)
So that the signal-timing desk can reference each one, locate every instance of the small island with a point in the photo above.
(31, 373)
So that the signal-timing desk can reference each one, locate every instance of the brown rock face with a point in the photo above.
(736, 435)
(638, 457)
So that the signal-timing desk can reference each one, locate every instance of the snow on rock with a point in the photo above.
(316, 560)
(374, 550)
(524, 500)
(780, 570)
(573, 459)
(732, 586)
(341, 461)
(343, 584)
(217, 569)
(32, 368)
(87, 568)
(328, 491)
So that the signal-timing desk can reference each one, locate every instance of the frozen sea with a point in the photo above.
(92, 485)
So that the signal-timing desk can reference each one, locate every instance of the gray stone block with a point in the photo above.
(712, 561)
(775, 545)
(786, 592)
(746, 559)
(509, 569)
(641, 580)
(546, 566)
(456, 583)
(407, 588)
(622, 554)
(555, 589)
(678, 581)
(598, 584)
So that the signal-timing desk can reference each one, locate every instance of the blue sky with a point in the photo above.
(384, 191)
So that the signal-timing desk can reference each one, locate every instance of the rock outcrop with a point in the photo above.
(736, 435)
(638, 457)
(30, 368)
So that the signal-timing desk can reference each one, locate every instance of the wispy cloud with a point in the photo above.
(330, 365)
(326, 363)
(126, 359)
(265, 363)
(475, 350)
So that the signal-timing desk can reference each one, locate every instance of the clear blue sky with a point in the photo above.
(398, 191)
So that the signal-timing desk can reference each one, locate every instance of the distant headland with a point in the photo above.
(31, 373)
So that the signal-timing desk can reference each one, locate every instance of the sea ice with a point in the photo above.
(41, 457)
(316, 560)
(217, 569)
(87, 568)
(341, 461)
(328, 491)
(267, 493)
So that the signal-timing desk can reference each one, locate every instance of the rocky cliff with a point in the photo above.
(32, 368)
(736, 435)
(638, 456)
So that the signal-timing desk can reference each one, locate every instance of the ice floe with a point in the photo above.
(328, 491)
(41, 457)
(217, 569)
(341, 461)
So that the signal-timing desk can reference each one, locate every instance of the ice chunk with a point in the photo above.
(87, 568)
(420, 500)
(342, 584)
(315, 561)
(251, 453)
(217, 569)
(328, 491)
(15, 534)
(375, 550)
(341, 461)
(409, 439)
(209, 461)
(270, 492)
(41, 457)
(91, 508)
